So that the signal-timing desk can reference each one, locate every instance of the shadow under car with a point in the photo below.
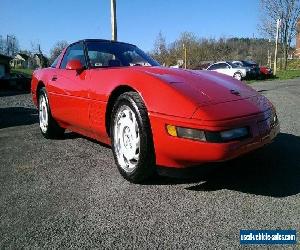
(273, 170)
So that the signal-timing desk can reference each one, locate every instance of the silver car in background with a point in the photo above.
(228, 68)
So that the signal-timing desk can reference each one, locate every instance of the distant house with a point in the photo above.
(4, 65)
(20, 60)
(40, 60)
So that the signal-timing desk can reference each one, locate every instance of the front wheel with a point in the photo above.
(48, 126)
(132, 142)
(237, 76)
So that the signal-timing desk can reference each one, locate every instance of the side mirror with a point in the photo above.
(75, 65)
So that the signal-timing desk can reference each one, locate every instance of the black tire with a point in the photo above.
(52, 130)
(145, 165)
(237, 76)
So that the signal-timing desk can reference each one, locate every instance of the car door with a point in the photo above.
(101, 61)
(69, 91)
(224, 68)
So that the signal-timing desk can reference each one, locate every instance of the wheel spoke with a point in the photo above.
(136, 156)
(137, 141)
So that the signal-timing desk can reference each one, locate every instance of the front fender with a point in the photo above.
(159, 96)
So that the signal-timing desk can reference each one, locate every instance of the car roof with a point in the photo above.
(249, 62)
(102, 40)
(245, 61)
(216, 63)
(220, 62)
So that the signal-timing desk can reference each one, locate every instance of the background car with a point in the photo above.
(229, 69)
(265, 72)
(15, 81)
(150, 115)
(252, 68)
(19, 81)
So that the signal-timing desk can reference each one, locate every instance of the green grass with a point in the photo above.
(287, 74)
(281, 75)
(25, 72)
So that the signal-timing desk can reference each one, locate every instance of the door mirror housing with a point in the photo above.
(75, 64)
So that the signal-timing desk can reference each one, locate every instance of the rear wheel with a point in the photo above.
(132, 142)
(237, 76)
(48, 126)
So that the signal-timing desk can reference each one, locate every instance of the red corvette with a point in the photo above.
(150, 115)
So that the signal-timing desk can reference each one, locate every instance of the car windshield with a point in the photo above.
(53, 65)
(114, 54)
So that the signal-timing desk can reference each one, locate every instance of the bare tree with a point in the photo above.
(57, 49)
(10, 45)
(2, 45)
(202, 51)
(286, 10)
(35, 47)
(160, 49)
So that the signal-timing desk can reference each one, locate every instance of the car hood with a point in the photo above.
(202, 86)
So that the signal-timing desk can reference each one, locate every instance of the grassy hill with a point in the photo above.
(25, 72)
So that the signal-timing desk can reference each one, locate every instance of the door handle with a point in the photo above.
(54, 78)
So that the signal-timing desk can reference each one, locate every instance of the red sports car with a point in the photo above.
(265, 72)
(150, 115)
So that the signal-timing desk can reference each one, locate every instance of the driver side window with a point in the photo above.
(73, 52)
(214, 67)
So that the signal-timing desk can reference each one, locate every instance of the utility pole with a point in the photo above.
(7, 45)
(10, 45)
(269, 55)
(185, 55)
(278, 24)
(113, 12)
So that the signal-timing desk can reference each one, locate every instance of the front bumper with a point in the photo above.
(180, 153)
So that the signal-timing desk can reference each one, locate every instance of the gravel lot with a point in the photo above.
(68, 193)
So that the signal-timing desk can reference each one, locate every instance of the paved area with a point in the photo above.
(68, 193)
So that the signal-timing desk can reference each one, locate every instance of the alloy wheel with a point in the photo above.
(127, 138)
(43, 114)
